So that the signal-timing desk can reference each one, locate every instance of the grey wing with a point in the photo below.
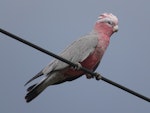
(78, 50)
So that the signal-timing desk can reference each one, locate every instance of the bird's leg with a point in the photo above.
(96, 75)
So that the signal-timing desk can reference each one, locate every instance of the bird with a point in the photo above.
(87, 52)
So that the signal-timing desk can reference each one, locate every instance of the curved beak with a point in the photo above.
(115, 28)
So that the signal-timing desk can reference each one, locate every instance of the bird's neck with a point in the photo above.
(103, 29)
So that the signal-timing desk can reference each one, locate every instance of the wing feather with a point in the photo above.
(78, 51)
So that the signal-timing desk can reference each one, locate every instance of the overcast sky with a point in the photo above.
(54, 24)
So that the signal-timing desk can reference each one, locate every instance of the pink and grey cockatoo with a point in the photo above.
(86, 51)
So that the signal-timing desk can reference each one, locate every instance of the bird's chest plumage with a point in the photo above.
(93, 59)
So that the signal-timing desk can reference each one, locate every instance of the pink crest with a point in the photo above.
(109, 16)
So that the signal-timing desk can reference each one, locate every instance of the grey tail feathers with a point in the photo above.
(36, 76)
(35, 90)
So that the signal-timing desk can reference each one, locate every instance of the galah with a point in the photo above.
(87, 51)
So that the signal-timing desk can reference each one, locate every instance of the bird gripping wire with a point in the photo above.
(74, 65)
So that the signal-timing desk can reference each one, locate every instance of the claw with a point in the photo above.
(78, 66)
(97, 76)
(89, 76)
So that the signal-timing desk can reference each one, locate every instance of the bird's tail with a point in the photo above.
(35, 90)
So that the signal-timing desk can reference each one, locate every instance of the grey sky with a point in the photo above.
(53, 25)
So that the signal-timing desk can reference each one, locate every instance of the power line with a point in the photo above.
(98, 76)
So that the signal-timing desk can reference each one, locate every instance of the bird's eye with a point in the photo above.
(110, 22)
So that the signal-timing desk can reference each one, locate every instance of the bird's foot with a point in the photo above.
(96, 75)
(89, 76)
(78, 66)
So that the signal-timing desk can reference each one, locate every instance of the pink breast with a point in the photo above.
(91, 61)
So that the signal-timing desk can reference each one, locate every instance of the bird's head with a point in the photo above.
(107, 23)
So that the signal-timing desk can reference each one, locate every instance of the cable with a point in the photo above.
(75, 65)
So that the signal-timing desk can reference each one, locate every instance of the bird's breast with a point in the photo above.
(91, 61)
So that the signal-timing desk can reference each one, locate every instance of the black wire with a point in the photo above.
(74, 65)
